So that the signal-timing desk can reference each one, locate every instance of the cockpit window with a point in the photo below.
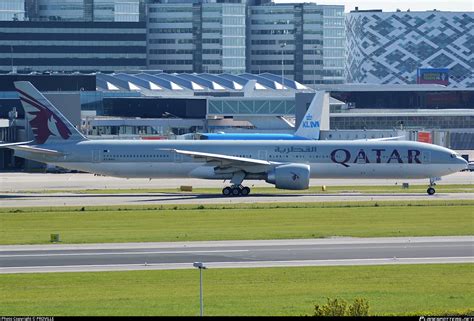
(453, 155)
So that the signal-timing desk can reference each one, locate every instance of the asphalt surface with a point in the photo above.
(236, 254)
(70, 199)
(18, 182)
(14, 185)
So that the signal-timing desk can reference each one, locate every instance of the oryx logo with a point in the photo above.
(45, 123)
(295, 177)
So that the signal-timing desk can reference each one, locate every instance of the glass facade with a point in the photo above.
(88, 10)
(229, 107)
(233, 38)
(272, 42)
(170, 28)
(72, 46)
(201, 37)
(395, 121)
(415, 99)
(304, 42)
(334, 45)
(12, 10)
(387, 48)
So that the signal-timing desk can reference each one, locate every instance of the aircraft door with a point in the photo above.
(178, 158)
(426, 157)
(96, 155)
(262, 154)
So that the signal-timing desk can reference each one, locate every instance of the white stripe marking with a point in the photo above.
(244, 264)
(120, 253)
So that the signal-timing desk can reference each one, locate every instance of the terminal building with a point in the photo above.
(84, 10)
(302, 41)
(12, 10)
(58, 46)
(197, 37)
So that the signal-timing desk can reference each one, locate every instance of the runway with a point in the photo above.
(18, 182)
(71, 199)
(235, 254)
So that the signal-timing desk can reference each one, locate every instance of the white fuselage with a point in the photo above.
(327, 159)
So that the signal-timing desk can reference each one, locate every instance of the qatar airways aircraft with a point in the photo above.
(286, 164)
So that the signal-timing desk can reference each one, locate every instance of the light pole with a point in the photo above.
(201, 267)
(283, 45)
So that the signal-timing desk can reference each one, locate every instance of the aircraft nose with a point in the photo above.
(462, 162)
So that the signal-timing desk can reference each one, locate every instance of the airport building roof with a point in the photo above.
(351, 87)
(187, 83)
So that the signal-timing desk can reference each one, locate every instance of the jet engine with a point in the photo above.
(289, 176)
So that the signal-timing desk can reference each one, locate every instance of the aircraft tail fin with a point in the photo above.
(46, 121)
(311, 124)
(249, 88)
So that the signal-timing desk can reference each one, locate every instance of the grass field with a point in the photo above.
(390, 290)
(236, 222)
(454, 188)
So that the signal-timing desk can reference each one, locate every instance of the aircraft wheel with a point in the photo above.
(226, 191)
(245, 191)
(236, 191)
(430, 191)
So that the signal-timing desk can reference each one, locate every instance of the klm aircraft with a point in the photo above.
(308, 129)
(286, 164)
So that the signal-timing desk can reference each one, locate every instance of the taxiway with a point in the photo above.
(71, 199)
(18, 182)
(235, 254)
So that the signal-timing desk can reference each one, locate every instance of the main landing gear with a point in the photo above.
(236, 190)
(431, 189)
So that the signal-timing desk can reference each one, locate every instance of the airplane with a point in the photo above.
(285, 164)
(308, 129)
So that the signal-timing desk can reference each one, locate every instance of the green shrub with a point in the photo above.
(360, 307)
(339, 307)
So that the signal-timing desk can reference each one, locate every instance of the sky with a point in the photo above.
(390, 5)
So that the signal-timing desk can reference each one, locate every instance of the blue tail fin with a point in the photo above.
(310, 126)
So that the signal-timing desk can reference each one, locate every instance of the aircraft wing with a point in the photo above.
(383, 139)
(33, 149)
(225, 160)
(14, 144)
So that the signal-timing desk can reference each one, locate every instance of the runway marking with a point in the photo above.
(357, 244)
(243, 264)
(120, 253)
(356, 247)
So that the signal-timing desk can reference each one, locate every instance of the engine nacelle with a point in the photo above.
(290, 176)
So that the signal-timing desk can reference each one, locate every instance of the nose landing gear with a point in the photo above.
(431, 190)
